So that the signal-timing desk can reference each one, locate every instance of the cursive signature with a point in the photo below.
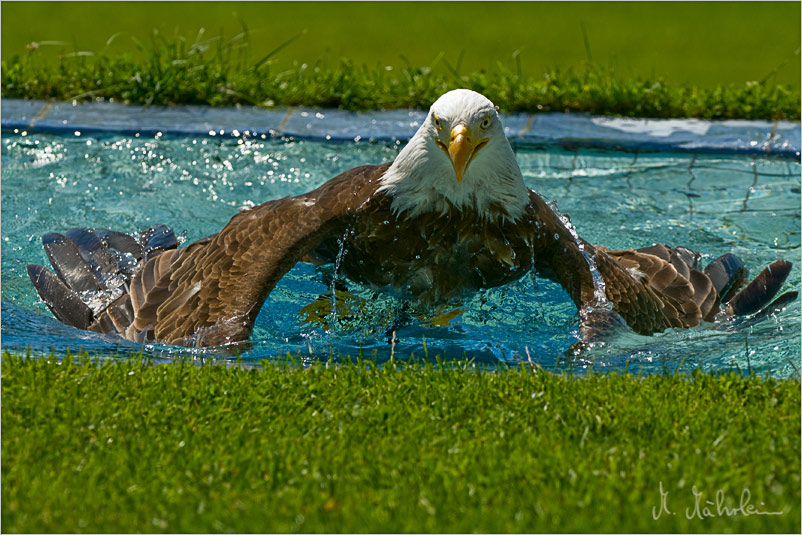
(702, 508)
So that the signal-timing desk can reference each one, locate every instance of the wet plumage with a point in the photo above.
(450, 216)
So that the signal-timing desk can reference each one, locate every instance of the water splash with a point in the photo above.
(332, 287)
(98, 300)
(122, 182)
(599, 288)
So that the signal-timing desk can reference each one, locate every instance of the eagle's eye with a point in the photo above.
(485, 123)
(436, 121)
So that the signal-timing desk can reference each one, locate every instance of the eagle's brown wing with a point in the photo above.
(210, 292)
(652, 288)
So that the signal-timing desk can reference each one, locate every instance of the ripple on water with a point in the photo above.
(715, 204)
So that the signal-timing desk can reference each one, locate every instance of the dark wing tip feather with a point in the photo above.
(690, 257)
(761, 290)
(94, 252)
(728, 273)
(124, 248)
(120, 242)
(157, 239)
(67, 262)
(779, 303)
(65, 304)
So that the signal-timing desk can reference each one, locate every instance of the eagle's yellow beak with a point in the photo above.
(462, 149)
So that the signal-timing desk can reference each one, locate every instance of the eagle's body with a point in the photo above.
(432, 258)
(450, 216)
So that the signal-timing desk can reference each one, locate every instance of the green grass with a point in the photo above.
(631, 59)
(129, 446)
(219, 73)
(703, 44)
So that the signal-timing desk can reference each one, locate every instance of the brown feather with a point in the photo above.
(210, 292)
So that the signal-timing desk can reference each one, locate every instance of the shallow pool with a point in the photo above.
(715, 204)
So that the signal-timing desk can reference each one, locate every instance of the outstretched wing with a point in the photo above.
(562, 256)
(671, 290)
(210, 292)
(652, 288)
(686, 293)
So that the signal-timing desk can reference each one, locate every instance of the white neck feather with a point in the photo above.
(422, 179)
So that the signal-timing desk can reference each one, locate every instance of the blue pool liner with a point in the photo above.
(773, 138)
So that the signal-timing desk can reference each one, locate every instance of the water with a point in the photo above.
(715, 204)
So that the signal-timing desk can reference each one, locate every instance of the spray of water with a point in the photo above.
(337, 263)
(599, 289)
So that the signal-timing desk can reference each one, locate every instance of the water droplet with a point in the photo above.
(556, 236)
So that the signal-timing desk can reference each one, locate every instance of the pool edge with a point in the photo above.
(759, 138)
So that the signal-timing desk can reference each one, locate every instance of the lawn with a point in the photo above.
(691, 43)
(704, 60)
(130, 446)
(133, 447)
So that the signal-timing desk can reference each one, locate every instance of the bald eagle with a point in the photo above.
(450, 216)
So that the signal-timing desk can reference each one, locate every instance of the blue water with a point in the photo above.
(715, 204)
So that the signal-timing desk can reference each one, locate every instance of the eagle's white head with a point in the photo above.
(458, 157)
